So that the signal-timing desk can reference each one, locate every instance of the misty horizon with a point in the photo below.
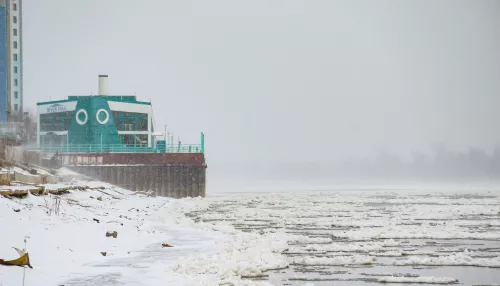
(275, 85)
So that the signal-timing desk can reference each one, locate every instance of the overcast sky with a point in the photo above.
(280, 82)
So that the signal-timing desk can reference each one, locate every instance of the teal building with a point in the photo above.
(102, 123)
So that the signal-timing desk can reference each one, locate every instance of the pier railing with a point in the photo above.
(120, 148)
(160, 146)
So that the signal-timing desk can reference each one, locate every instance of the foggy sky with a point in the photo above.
(276, 83)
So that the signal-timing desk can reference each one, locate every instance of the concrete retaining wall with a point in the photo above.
(31, 179)
(35, 179)
(175, 181)
(5, 178)
(175, 175)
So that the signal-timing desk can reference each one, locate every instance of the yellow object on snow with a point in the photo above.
(24, 260)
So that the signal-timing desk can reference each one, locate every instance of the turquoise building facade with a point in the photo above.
(107, 122)
(103, 123)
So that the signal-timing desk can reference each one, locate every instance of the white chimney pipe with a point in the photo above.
(103, 85)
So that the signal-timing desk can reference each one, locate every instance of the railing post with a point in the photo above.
(202, 142)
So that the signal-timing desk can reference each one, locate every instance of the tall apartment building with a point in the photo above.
(11, 60)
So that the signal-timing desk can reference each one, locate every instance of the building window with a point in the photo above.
(16, 94)
(15, 69)
(14, 7)
(58, 121)
(15, 82)
(15, 57)
(15, 44)
(130, 121)
(15, 32)
(16, 107)
(134, 140)
(141, 140)
(142, 124)
(14, 19)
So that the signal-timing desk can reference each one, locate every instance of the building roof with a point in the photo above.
(118, 98)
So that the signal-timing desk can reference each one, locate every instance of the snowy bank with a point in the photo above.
(66, 245)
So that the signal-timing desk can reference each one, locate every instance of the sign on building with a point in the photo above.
(56, 108)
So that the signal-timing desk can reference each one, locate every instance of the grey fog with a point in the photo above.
(290, 91)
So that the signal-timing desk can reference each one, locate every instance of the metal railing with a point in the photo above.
(162, 146)
(119, 148)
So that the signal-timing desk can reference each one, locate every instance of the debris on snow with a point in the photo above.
(112, 233)
(23, 260)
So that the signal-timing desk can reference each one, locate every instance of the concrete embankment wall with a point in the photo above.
(35, 179)
(176, 175)
(6, 177)
(176, 181)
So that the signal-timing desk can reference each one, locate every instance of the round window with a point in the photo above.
(102, 116)
(82, 116)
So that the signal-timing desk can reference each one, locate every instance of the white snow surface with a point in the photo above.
(65, 248)
(21, 171)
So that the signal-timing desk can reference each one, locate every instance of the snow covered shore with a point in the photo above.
(65, 246)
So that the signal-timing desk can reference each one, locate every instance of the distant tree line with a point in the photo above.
(439, 164)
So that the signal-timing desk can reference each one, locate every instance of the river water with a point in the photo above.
(371, 237)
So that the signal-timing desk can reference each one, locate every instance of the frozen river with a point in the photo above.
(294, 238)
(355, 237)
